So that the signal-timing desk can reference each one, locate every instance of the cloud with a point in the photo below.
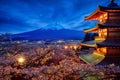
(27, 15)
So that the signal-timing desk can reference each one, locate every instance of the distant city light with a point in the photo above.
(60, 41)
(66, 47)
(75, 47)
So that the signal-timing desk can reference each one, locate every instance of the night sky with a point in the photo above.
(18, 16)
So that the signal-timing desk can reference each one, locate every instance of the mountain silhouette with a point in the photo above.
(50, 32)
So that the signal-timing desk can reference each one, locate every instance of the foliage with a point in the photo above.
(50, 63)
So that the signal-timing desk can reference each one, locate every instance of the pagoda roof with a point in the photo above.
(94, 15)
(111, 6)
(103, 9)
(109, 43)
(109, 24)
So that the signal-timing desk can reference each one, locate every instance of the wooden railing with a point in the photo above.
(99, 38)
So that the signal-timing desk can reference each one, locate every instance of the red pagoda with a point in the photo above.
(107, 42)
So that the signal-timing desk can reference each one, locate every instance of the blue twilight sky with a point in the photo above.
(18, 16)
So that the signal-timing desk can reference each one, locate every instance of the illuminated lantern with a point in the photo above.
(21, 60)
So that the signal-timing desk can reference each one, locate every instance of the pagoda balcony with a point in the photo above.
(99, 39)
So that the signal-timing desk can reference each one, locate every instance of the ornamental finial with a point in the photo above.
(113, 4)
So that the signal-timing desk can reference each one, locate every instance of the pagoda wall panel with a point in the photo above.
(114, 30)
(113, 51)
(114, 33)
(114, 14)
(114, 17)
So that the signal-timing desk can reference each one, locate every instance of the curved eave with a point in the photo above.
(100, 10)
(95, 14)
(92, 16)
(91, 30)
(88, 45)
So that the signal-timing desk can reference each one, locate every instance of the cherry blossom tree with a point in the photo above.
(25, 62)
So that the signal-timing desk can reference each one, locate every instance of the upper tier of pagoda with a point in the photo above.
(102, 12)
